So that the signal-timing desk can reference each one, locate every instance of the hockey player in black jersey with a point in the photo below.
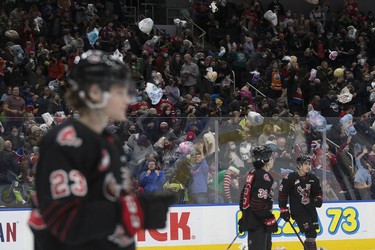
(84, 198)
(304, 193)
(257, 200)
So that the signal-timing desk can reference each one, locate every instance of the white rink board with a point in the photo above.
(214, 225)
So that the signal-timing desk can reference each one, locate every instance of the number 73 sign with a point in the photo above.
(339, 218)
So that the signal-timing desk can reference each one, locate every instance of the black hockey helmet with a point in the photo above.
(261, 155)
(303, 158)
(99, 67)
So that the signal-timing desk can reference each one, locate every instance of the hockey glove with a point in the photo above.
(318, 201)
(285, 214)
(155, 208)
(132, 214)
(271, 224)
(240, 227)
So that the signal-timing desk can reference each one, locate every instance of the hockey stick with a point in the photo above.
(232, 241)
(295, 231)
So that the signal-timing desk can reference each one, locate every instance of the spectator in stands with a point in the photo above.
(263, 138)
(56, 69)
(239, 58)
(153, 178)
(176, 65)
(362, 178)
(328, 105)
(189, 74)
(231, 186)
(237, 24)
(277, 8)
(8, 164)
(198, 188)
(6, 94)
(283, 157)
(14, 107)
(34, 136)
(140, 148)
(275, 80)
(56, 104)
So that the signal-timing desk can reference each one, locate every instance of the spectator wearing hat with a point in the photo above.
(152, 130)
(34, 136)
(219, 190)
(164, 128)
(153, 178)
(190, 136)
(230, 185)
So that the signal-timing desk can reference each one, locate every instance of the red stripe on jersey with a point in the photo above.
(50, 208)
(247, 191)
(68, 223)
(57, 218)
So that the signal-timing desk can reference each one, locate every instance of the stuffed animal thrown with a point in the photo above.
(271, 17)
(146, 25)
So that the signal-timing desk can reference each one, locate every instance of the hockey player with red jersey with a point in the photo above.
(84, 198)
(257, 200)
(304, 193)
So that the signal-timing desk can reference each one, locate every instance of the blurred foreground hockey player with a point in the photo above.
(303, 190)
(84, 198)
(256, 202)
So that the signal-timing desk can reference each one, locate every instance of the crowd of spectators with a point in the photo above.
(323, 61)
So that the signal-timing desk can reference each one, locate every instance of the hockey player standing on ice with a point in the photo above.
(303, 190)
(84, 198)
(257, 200)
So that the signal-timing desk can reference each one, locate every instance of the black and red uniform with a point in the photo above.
(303, 193)
(73, 208)
(256, 206)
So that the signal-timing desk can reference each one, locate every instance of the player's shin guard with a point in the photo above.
(310, 244)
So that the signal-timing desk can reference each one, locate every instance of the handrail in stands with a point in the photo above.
(201, 36)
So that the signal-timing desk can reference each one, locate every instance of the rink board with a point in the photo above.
(344, 225)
